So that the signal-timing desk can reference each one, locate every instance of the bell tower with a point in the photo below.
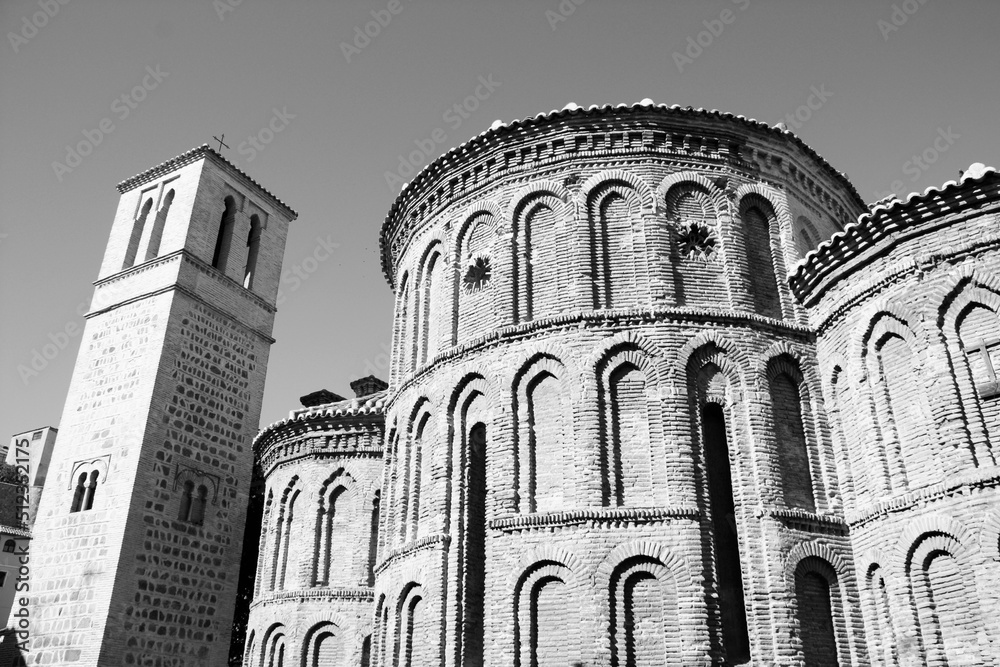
(137, 543)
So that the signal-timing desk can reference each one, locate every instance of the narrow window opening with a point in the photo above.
(81, 491)
(253, 248)
(155, 236)
(198, 506)
(793, 450)
(224, 241)
(475, 557)
(819, 641)
(9, 546)
(366, 651)
(732, 607)
(185, 510)
(88, 501)
(133, 241)
(373, 539)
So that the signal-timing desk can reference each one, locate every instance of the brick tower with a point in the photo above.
(138, 538)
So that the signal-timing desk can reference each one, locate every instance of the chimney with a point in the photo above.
(321, 397)
(368, 385)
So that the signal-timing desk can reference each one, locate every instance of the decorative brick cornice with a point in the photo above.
(501, 150)
(810, 521)
(981, 478)
(319, 595)
(603, 318)
(412, 547)
(193, 155)
(356, 416)
(595, 517)
(888, 224)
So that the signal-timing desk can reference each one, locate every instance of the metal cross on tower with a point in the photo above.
(221, 142)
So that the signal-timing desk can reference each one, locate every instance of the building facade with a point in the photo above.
(664, 390)
(136, 546)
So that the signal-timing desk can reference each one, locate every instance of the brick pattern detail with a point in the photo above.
(167, 388)
(613, 455)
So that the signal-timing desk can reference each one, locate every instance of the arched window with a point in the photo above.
(79, 493)
(373, 539)
(198, 506)
(474, 594)
(224, 240)
(627, 466)
(324, 646)
(695, 264)
(133, 242)
(421, 477)
(883, 640)
(253, 249)
(88, 499)
(613, 214)
(979, 331)
(816, 594)
(901, 404)
(792, 448)
(336, 548)
(540, 252)
(184, 514)
(547, 452)
(760, 258)
(643, 604)
(402, 353)
(287, 527)
(9, 546)
(546, 617)
(156, 234)
(729, 575)
(948, 612)
(414, 644)
(433, 320)
(476, 273)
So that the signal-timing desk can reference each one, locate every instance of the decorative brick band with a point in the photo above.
(824, 523)
(417, 545)
(315, 595)
(517, 333)
(625, 515)
(959, 484)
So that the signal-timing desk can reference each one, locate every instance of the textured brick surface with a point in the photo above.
(166, 391)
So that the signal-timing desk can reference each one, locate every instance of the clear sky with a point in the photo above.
(882, 93)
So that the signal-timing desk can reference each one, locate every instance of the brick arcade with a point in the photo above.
(664, 391)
